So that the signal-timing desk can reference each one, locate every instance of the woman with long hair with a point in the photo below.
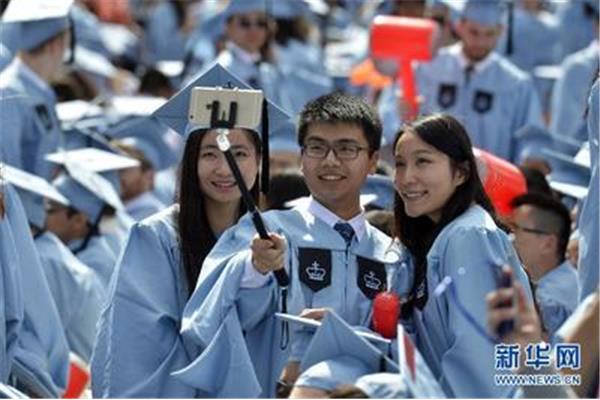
(448, 225)
(138, 345)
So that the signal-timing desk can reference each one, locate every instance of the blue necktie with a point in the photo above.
(345, 229)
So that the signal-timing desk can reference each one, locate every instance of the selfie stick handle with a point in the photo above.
(224, 145)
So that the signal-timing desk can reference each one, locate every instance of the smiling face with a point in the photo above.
(214, 176)
(248, 31)
(425, 178)
(333, 182)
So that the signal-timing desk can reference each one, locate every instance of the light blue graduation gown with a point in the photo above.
(42, 357)
(493, 105)
(571, 91)
(138, 343)
(577, 29)
(76, 290)
(589, 218)
(535, 39)
(143, 206)
(310, 244)
(467, 250)
(117, 236)
(557, 296)
(97, 255)
(30, 126)
(11, 297)
(163, 39)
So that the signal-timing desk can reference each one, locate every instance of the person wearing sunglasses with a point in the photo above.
(541, 229)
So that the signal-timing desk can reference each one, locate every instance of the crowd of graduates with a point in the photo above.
(129, 253)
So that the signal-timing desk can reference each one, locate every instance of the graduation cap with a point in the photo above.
(283, 139)
(236, 7)
(37, 21)
(175, 113)
(95, 160)
(382, 188)
(335, 338)
(485, 12)
(87, 191)
(288, 9)
(32, 190)
(147, 135)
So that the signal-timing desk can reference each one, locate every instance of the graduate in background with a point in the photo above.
(334, 257)
(139, 344)
(11, 296)
(447, 223)
(75, 287)
(40, 37)
(541, 227)
(41, 359)
(469, 80)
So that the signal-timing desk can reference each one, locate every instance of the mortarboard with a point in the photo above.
(37, 21)
(147, 135)
(87, 191)
(335, 338)
(485, 12)
(93, 159)
(32, 190)
(175, 112)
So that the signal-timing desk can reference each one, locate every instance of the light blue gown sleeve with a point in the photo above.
(42, 356)
(469, 257)
(11, 301)
(77, 292)
(219, 309)
(14, 124)
(589, 221)
(138, 343)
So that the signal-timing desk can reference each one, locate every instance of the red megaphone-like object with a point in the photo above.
(386, 311)
(501, 180)
(79, 377)
(405, 40)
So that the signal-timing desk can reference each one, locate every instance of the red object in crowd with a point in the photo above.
(405, 40)
(386, 312)
(79, 377)
(501, 180)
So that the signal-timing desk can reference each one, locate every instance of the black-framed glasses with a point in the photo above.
(342, 150)
(247, 23)
(515, 227)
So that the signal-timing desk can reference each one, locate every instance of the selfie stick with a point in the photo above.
(224, 144)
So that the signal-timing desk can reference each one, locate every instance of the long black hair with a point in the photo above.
(196, 238)
(448, 136)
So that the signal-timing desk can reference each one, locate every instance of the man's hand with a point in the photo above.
(268, 255)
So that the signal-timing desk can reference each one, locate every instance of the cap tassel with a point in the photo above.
(264, 183)
(509, 33)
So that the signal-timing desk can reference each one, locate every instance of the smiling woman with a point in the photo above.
(447, 223)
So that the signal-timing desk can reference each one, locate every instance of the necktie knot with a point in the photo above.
(346, 231)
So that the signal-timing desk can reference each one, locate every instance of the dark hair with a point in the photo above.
(196, 239)
(340, 108)
(291, 28)
(285, 186)
(448, 136)
(536, 181)
(550, 215)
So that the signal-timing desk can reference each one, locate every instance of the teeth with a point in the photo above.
(224, 184)
(413, 195)
(331, 177)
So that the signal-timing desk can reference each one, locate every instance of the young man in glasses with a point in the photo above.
(334, 258)
(541, 229)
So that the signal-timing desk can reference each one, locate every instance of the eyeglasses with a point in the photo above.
(247, 23)
(514, 227)
(342, 150)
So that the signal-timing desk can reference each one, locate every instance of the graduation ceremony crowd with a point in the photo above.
(432, 243)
